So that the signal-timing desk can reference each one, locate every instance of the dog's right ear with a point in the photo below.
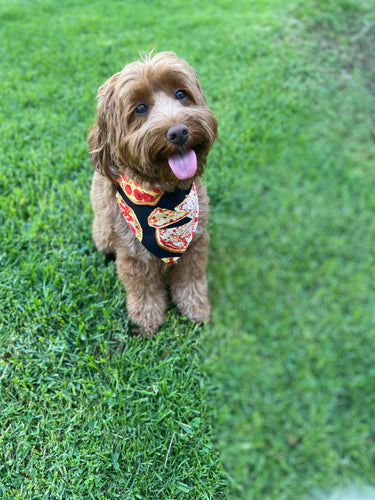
(105, 133)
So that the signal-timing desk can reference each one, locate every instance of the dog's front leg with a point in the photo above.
(189, 284)
(146, 298)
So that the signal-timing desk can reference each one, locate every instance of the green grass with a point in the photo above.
(273, 400)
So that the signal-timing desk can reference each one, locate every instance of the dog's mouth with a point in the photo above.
(183, 163)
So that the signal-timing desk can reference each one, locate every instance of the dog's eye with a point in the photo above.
(141, 109)
(180, 95)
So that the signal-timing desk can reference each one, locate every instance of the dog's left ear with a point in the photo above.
(105, 133)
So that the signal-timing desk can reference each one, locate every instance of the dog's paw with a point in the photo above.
(145, 333)
(147, 314)
(197, 312)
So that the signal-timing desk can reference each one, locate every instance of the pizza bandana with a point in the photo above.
(164, 223)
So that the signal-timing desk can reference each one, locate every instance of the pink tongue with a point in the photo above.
(183, 164)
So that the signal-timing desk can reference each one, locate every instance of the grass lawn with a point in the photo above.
(276, 398)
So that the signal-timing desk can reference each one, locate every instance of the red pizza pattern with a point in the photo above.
(171, 239)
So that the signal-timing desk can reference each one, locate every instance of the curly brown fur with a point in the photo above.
(122, 141)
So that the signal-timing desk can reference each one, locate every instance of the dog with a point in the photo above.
(148, 147)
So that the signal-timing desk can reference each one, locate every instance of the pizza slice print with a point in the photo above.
(130, 217)
(176, 239)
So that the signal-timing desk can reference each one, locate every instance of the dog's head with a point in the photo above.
(152, 122)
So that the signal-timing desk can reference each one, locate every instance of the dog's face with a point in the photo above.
(152, 122)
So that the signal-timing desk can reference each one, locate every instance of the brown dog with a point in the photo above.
(149, 145)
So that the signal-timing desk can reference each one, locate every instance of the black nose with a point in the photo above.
(178, 134)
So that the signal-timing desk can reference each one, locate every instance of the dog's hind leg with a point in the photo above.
(101, 236)
(189, 284)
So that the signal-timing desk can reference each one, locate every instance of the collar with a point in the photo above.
(164, 222)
